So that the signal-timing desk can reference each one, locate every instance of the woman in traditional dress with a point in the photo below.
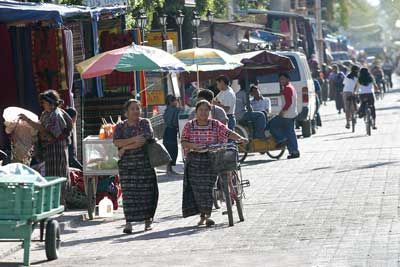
(54, 127)
(199, 179)
(138, 178)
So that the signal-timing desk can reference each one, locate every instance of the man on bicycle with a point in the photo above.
(378, 75)
(388, 70)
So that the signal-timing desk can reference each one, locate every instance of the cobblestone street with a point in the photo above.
(338, 205)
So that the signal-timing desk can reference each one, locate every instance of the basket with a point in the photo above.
(224, 160)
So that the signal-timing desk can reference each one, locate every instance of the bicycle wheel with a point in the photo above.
(353, 123)
(242, 147)
(237, 184)
(368, 121)
(276, 154)
(228, 199)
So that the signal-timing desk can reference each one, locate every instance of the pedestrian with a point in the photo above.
(324, 85)
(244, 114)
(217, 113)
(199, 178)
(317, 86)
(226, 99)
(53, 133)
(170, 138)
(350, 83)
(338, 87)
(282, 127)
(366, 89)
(138, 178)
(72, 157)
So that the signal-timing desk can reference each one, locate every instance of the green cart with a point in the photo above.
(26, 201)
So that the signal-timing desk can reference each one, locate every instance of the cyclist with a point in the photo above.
(366, 87)
(388, 70)
(350, 83)
(377, 73)
(217, 113)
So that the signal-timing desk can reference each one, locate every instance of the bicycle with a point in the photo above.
(229, 185)
(353, 99)
(367, 114)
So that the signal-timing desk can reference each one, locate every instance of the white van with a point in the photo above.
(302, 80)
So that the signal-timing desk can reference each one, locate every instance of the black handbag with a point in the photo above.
(158, 154)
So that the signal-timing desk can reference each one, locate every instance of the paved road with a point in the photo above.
(338, 205)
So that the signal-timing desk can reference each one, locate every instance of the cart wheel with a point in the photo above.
(53, 241)
(276, 154)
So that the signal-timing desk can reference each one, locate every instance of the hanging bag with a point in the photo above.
(158, 154)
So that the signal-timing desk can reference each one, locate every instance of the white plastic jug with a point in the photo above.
(105, 208)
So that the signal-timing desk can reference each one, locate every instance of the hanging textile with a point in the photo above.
(284, 26)
(7, 75)
(276, 25)
(69, 65)
(21, 39)
(95, 33)
(45, 59)
(110, 41)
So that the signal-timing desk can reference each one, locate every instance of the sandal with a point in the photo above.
(128, 228)
(203, 220)
(209, 222)
(147, 225)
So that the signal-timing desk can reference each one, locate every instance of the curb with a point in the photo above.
(14, 246)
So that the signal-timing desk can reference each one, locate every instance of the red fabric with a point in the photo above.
(45, 60)
(110, 41)
(76, 177)
(288, 92)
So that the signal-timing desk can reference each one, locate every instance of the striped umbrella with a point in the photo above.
(129, 58)
(207, 59)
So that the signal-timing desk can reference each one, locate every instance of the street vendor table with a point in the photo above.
(100, 158)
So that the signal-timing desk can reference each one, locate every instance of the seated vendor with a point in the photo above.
(243, 114)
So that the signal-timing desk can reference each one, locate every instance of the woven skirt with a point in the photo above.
(139, 186)
(198, 185)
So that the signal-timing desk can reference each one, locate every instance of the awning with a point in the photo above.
(12, 11)
(267, 36)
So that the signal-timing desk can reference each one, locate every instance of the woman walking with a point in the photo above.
(199, 179)
(170, 139)
(367, 88)
(54, 128)
(138, 178)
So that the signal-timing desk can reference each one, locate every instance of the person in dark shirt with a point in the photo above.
(73, 161)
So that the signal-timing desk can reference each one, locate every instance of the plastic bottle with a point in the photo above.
(102, 134)
(105, 208)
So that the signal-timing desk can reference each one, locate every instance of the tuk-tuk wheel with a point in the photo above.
(53, 241)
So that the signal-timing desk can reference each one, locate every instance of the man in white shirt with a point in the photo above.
(259, 103)
(226, 99)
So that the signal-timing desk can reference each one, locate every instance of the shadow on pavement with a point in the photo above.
(333, 134)
(168, 218)
(370, 166)
(256, 162)
(321, 168)
(174, 232)
(389, 108)
(90, 240)
(348, 137)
